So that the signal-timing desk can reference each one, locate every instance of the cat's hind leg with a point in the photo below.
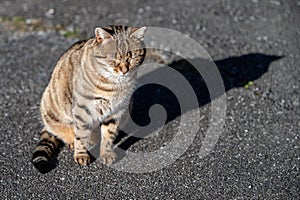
(64, 132)
(53, 135)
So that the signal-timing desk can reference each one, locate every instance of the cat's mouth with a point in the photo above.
(128, 72)
(123, 69)
(122, 72)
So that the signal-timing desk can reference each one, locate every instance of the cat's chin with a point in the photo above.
(122, 76)
(128, 77)
(130, 73)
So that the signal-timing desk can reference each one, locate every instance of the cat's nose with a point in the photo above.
(123, 67)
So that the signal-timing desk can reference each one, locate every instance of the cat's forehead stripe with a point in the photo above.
(113, 30)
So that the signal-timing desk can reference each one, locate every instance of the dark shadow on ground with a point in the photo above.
(235, 72)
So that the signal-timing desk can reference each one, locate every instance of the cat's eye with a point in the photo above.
(135, 54)
(129, 54)
(131, 62)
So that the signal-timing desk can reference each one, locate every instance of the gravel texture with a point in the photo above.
(255, 45)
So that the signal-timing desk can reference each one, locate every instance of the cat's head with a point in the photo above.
(120, 49)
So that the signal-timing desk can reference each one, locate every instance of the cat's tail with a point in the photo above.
(46, 151)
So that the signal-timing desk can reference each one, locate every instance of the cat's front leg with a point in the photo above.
(109, 130)
(83, 126)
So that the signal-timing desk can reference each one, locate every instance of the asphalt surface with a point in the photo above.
(255, 45)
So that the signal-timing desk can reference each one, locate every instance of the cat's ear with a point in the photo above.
(138, 33)
(101, 34)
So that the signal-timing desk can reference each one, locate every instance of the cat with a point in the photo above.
(90, 84)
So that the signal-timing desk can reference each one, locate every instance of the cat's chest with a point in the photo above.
(103, 108)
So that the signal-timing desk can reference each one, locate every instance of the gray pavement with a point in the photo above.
(255, 45)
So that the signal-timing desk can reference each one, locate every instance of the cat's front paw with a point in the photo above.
(82, 159)
(108, 157)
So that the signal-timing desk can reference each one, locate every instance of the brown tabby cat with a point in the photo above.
(91, 83)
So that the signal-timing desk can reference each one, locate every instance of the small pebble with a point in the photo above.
(140, 10)
(50, 11)
(296, 103)
(148, 8)
(277, 3)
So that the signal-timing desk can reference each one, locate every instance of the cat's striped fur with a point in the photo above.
(91, 84)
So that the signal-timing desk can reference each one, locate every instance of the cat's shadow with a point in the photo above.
(235, 72)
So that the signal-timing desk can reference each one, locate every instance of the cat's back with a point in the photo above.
(58, 95)
(74, 48)
(69, 59)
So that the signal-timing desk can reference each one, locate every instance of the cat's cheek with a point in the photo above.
(116, 72)
(111, 70)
